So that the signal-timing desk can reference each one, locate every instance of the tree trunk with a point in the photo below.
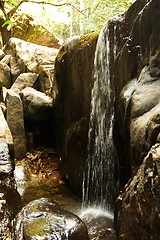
(81, 7)
(5, 33)
(71, 22)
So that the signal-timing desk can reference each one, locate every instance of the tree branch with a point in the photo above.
(3, 8)
(14, 8)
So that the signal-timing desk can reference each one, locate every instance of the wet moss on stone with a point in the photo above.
(76, 44)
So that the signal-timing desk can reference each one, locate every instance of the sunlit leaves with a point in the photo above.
(83, 15)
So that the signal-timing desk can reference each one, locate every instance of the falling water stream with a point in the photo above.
(99, 185)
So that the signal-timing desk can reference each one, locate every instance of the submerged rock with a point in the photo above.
(44, 219)
(99, 223)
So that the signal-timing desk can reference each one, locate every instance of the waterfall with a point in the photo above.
(98, 183)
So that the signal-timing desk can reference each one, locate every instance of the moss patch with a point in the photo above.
(76, 45)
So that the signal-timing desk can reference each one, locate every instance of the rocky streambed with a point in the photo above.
(50, 208)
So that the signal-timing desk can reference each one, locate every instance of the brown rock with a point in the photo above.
(5, 76)
(26, 30)
(46, 76)
(15, 120)
(137, 210)
(30, 55)
(73, 76)
(37, 106)
(5, 132)
(24, 80)
(15, 69)
(6, 59)
(10, 204)
(6, 163)
(45, 219)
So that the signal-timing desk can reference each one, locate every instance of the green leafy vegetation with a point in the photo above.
(76, 17)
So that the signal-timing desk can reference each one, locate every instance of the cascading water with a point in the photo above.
(99, 185)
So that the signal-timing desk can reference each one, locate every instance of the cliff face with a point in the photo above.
(140, 32)
(137, 123)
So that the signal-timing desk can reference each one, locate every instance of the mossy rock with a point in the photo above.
(76, 44)
(44, 219)
(26, 30)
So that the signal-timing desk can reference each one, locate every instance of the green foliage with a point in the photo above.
(84, 16)
(12, 2)
(90, 15)
(8, 22)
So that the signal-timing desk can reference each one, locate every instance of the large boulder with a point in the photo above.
(137, 121)
(137, 49)
(73, 75)
(144, 117)
(6, 148)
(32, 58)
(32, 55)
(26, 29)
(24, 80)
(37, 106)
(15, 68)
(44, 219)
(5, 131)
(138, 207)
(140, 102)
(15, 120)
(6, 164)
(5, 75)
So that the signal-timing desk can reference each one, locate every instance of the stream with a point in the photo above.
(39, 175)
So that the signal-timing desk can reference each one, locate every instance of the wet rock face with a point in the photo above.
(73, 74)
(6, 165)
(137, 59)
(138, 207)
(145, 118)
(45, 219)
(140, 101)
(10, 204)
(137, 124)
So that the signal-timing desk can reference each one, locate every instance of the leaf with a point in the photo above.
(8, 22)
